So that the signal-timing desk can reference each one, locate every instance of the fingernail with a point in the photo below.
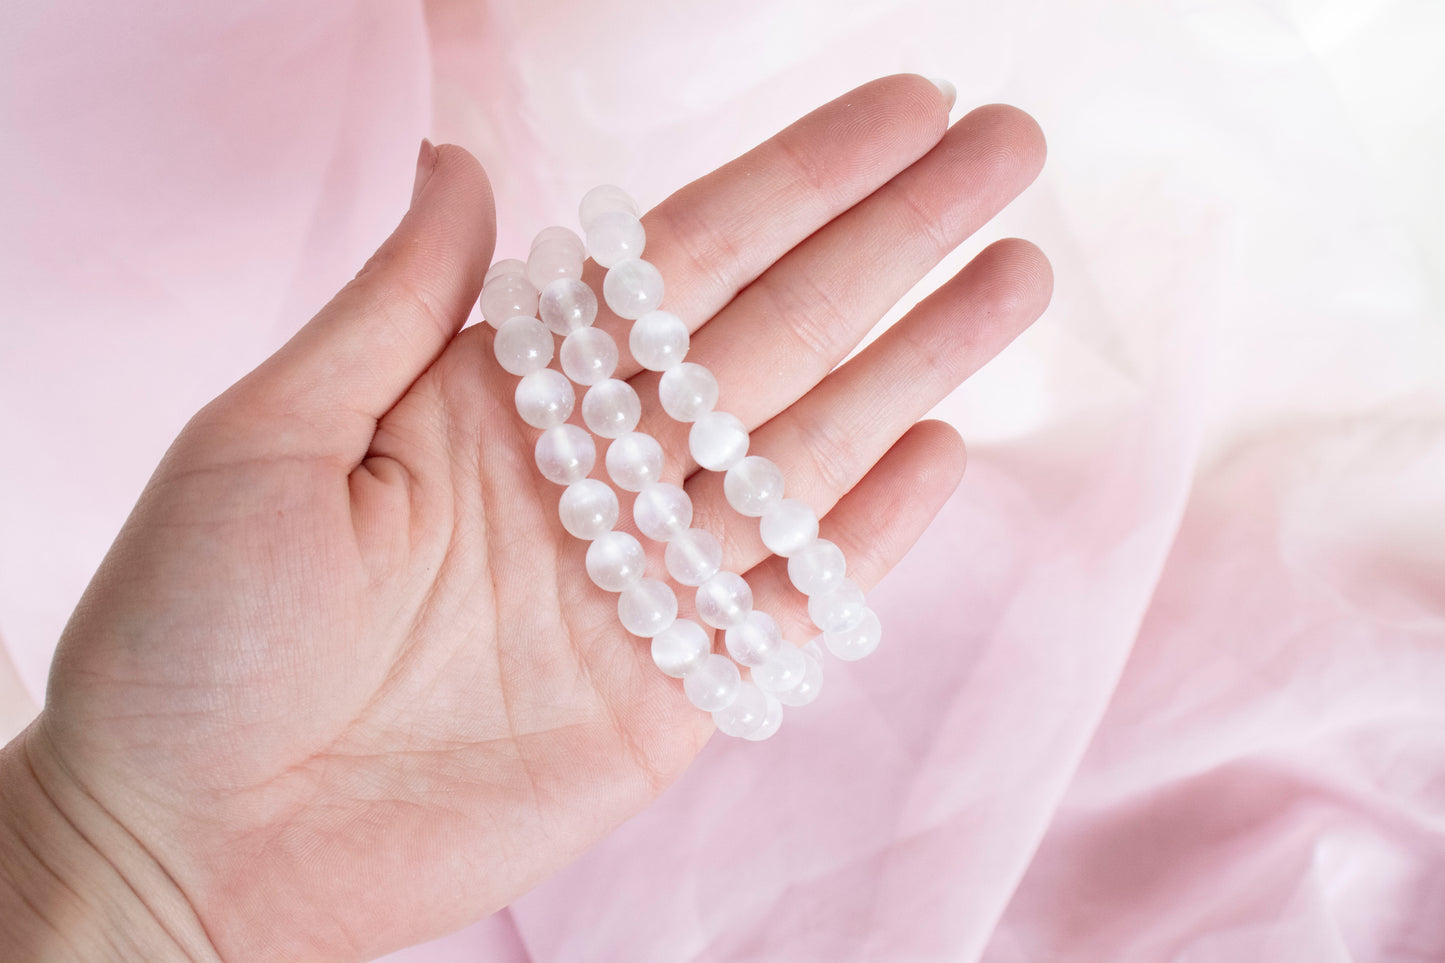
(426, 162)
(949, 92)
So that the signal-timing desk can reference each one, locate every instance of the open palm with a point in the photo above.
(342, 675)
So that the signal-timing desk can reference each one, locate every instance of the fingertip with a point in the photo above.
(1018, 138)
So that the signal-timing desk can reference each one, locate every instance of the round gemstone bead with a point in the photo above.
(817, 568)
(788, 526)
(646, 607)
(754, 640)
(752, 485)
(713, 684)
(692, 557)
(506, 266)
(746, 713)
(507, 296)
(658, 340)
(772, 721)
(550, 262)
(604, 197)
(681, 647)
(661, 511)
(862, 639)
(523, 345)
(615, 236)
(544, 398)
(687, 391)
(560, 237)
(724, 600)
(717, 441)
(782, 670)
(632, 288)
(589, 355)
(807, 688)
(838, 610)
(565, 454)
(611, 408)
(588, 508)
(566, 305)
(634, 460)
(615, 560)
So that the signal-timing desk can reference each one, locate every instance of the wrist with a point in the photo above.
(74, 883)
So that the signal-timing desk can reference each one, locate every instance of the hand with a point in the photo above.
(342, 685)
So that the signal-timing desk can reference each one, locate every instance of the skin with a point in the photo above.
(341, 684)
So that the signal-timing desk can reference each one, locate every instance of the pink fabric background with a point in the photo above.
(1166, 681)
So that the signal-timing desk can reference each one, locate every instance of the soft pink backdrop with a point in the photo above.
(1166, 681)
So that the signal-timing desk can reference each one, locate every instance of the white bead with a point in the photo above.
(772, 720)
(784, 669)
(814, 648)
(565, 454)
(658, 340)
(754, 640)
(632, 288)
(550, 262)
(611, 408)
(646, 607)
(507, 296)
(523, 345)
(724, 600)
(808, 688)
(560, 237)
(615, 236)
(589, 355)
(840, 609)
(693, 556)
(713, 684)
(615, 560)
(746, 713)
(817, 568)
(687, 391)
(506, 266)
(604, 197)
(752, 485)
(661, 511)
(634, 460)
(588, 508)
(566, 305)
(544, 398)
(788, 526)
(681, 647)
(717, 441)
(862, 639)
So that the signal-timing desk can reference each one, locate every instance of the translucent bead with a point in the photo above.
(611, 408)
(560, 237)
(788, 526)
(746, 713)
(509, 265)
(523, 345)
(658, 340)
(814, 648)
(632, 288)
(754, 640)
(681, 647)
(808, 687)
(840, 609)
(646, 607)
(615, 560)
(615, 236)
(752, 485)
(550, 262)
(782, 670)
(508, 296)
(692, 557)
(661, 511)
(589, 355)
(565, 454)
(566, 305)
(772, 721)
(602, 198)
(717, 441)
(724, 600)
(713, 684)
(588, 508)
(862, 639)
(544, 398)
(634, 460)
(687, 391)
(818, 568)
